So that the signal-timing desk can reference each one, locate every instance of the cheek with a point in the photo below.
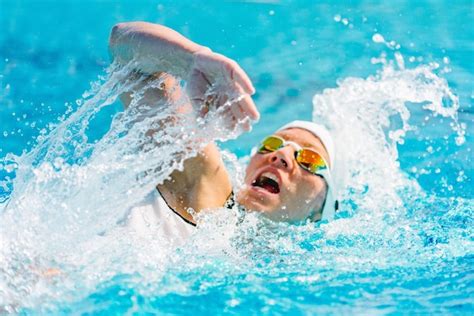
(299, 201)
(248, 172)
(252, 167)
(304, 190)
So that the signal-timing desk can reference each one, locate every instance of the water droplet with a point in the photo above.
(271, 12)
(377, 38)
(58, 162)
(461, 177)
(337, 18)
(10, 167)
(233, 302)
(400, 61)
(460, 140)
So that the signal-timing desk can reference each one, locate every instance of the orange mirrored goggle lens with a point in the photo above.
(308, 159)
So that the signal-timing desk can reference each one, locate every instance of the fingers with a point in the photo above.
(239, 75)
(249, 108)
(235, 73)
(238, 117)
(219, 77)
(242, 109)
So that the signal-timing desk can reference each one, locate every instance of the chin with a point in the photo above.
(255, 205)
(275, 214)
(254, 202)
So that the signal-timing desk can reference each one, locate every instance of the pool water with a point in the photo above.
(393, 82)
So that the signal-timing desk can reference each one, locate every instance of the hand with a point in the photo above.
(215, 81)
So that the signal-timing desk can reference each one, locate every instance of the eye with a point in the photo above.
(306, 166)
(265, 150)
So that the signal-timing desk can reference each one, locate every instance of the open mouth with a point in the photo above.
(267, 181)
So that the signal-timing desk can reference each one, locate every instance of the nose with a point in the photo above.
(283, 157)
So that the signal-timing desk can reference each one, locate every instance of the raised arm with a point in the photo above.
(210, 76)
(155, 49)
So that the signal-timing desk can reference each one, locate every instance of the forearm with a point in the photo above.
(155, 48)
(204, 165)
(203, 183)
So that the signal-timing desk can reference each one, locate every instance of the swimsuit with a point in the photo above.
(153, 216)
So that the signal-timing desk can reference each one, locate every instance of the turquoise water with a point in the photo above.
(393, 82)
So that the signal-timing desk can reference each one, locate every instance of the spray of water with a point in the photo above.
(68, 190)
(69, 198)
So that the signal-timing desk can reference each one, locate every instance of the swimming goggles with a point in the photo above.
(307, 158)
(311, 161)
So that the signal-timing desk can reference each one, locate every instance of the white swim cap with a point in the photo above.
(320, 132)
(331, 204)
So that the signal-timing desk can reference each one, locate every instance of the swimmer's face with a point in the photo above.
(297, 192)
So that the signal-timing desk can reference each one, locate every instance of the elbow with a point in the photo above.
(125, 30)
(116, 40)
(124, 38)
(117, 29)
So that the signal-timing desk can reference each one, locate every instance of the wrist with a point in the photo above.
(194, 56)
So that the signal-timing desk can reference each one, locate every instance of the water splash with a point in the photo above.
(69, 193)
(370, 117)
(69, 190)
